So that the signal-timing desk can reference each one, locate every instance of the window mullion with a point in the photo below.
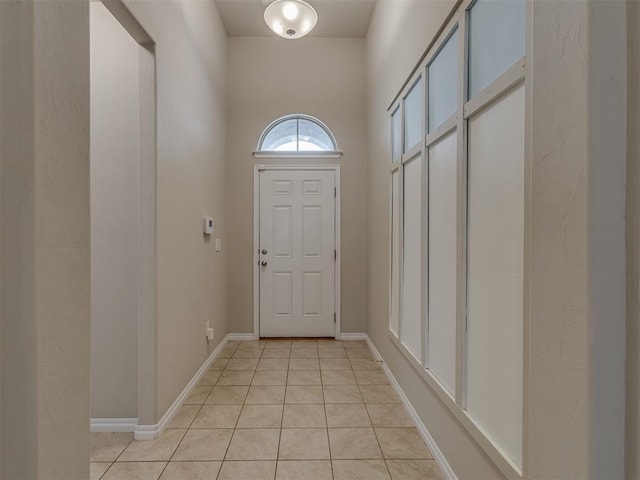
(461, 211)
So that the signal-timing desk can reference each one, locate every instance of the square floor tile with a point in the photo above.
(159, 449)
(254, 444)
(389, 415)
(265, 395)
(371, 377)
(355, 344)
(304, 377)
(209, 378)
(220, 363)
(335, 364)
(260, 416)
(242, 364)
(338, 377)
(269, 377)
(222, 395)
(354, 444)
(304, 416)
(304, 364)
(217, 416)
(203, 445)
(379, 394)
(402, 443)
(330, 343)
(274, 353)
(304, 470)
(363, 364)
(306, 343)
(225, 353)
(198, 395)
(277, 344)
(184, 416)
(352, 415)
(332, 353)
(252, 344)
(247, 471)
(191, 471)
(247, 353)
(106, 446)
(360, 470)
(304, 353)
(414, 470)
(304, 444)
(96, 470)
(235, 378)
(304, 394)
(342, 394)
(273, 364)
(134, 471)
(360, 353)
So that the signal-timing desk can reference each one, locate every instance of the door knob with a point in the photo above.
(263, 263)
(264, 252)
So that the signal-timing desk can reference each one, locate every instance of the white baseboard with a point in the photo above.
(150, 432)
(241, 336)
(353, 336)
(113, 424)
(438, 456)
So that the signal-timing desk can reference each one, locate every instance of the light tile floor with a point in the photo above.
(279, 409)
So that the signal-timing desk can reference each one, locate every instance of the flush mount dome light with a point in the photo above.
(290, 18)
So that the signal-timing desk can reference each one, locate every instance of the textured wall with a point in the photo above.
(45, 240)
(633, 246)
(190, 50)
(115, 167)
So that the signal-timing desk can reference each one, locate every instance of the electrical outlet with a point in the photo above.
(209, 331)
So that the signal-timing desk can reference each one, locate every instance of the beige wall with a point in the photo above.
(45, 240)
(576, 289)
(633, 245)
(190, 49)
(115, 166)
(271, 77)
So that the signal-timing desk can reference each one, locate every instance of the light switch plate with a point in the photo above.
(218, 244)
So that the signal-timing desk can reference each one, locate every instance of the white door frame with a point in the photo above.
(256, 239)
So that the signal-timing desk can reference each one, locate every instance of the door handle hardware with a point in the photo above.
(264, 252)
(263, 263)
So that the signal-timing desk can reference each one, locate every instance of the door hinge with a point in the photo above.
(335, 191)
(334, 317)
(335, 254)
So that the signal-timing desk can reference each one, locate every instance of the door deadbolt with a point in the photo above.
(264, 252)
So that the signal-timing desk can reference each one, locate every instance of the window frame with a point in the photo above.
(317, 154)
(466, 108)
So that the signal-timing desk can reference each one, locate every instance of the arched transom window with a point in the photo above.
(297, 136)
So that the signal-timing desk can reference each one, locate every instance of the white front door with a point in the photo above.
(297, 253)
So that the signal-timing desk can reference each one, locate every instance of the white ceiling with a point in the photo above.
(336, 18)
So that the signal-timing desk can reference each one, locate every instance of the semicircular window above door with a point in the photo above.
(297, 136)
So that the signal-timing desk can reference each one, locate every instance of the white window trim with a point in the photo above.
(466, 108)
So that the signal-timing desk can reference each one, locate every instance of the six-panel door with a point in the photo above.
(296, 261)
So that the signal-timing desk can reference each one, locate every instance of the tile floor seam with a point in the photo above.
(386, 465)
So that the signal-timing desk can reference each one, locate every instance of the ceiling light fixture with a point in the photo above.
(290, 19)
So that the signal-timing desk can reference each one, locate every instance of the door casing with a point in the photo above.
(256, 239)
